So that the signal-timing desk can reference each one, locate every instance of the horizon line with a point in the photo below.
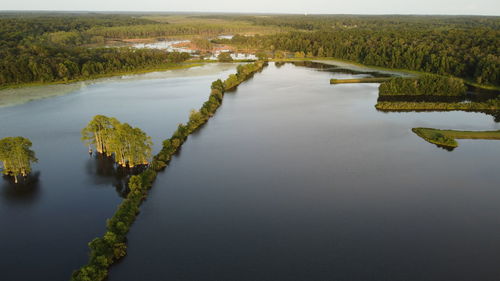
(243, 13)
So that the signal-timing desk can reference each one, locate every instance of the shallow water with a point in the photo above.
(296, 179)
(165, 45)
(47, 222)
(17, 96)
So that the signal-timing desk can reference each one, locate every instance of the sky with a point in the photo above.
(449, 7)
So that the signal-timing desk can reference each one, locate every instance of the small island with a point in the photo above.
(16, 156)
(447, 138)
(129, 146)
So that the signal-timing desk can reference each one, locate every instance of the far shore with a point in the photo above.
(20, 94)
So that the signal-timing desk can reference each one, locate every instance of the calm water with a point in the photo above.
(296, 179)
(47, 223)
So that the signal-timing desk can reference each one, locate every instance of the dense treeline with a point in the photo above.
(163, 30)
(106, 250)
(462, 46)
(38, 63)
(465, 47)
(127, 145)
(423, 85)
(16, 156)
(328, 22)
(46, 48)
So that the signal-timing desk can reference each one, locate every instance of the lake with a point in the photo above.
(293, 179)
(47, 223)
(296, 179)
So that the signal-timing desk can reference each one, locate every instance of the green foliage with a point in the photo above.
(225, 57)
(16, 156)
(129, 146)
(48, 48)
(423, 85)
(242, 74)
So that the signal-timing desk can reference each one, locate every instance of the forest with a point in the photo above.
(465, 47)
(48, 48)
(45, 47)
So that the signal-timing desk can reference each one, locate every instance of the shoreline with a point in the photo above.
(105, 75)
(14, 96)
(352, 65)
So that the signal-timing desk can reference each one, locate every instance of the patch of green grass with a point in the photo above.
(447, 138)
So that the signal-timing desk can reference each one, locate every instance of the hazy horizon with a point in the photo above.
(355, 7)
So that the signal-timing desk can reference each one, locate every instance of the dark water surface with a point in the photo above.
(47, 222)
(296, 179)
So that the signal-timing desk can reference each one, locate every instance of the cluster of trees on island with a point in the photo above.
(16, 156)
(127, 145)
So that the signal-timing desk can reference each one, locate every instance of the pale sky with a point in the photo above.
(453, 7)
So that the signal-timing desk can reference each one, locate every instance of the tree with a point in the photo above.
(261, 55)
(224, 57)
(16, 156)
(129, 146)
(98, 132)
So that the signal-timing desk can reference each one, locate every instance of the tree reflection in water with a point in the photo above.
(105, 171)
(25, 191)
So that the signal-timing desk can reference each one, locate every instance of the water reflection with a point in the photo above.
(337, 69)
(279, 64)
(25, 191)
(105, 172)
(472, 95)
(494, 113)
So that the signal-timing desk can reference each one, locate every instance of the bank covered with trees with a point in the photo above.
(464, 47)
